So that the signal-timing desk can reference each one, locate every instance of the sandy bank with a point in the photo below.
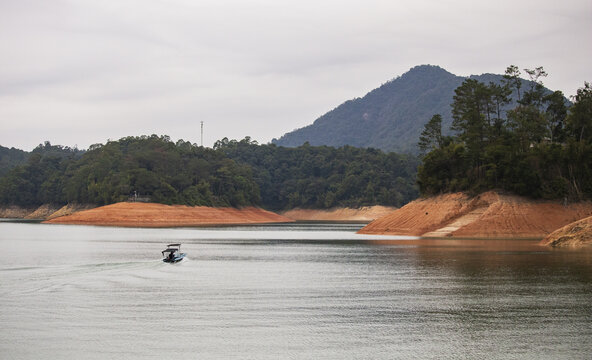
(364, 214)
(159, 215)
(576, 234)
(489, 215)
(15, 212)
(43, 212)
(69, 209)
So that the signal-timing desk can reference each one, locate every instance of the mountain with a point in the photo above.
(391, 117)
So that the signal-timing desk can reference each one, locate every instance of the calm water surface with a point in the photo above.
(287, 291)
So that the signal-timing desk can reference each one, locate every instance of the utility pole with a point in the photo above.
(202, 133)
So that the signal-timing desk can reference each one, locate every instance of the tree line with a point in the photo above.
(233, 173)
(541, 147)
(167, 172)
(323, 176)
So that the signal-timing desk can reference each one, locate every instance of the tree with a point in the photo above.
(431, 136)
(471, 113)
(500, 98)
(534, 95)
(528, 125)
(579, 119)
(556, 114)
(512, 79)
(511, 153)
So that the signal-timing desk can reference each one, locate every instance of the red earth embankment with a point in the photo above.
(364, 214)
(576, 234)
(489, 215)
(159, 215)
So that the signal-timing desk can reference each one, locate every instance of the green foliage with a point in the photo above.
(167, 172)
(38, 180)
(431, 136)
(579, 120)
(536, 149)
(324, 177)
(235, 173)
(9, 158)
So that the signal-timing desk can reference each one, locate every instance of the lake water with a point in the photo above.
(304, 291)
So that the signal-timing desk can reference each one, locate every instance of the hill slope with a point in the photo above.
(390, 117)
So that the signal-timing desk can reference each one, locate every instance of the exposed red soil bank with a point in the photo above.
(489, 215)
(576, 234)
(367, 213)
(159, 215)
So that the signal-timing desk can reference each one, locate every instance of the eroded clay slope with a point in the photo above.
(489, 215)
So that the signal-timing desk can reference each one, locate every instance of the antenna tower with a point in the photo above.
(202, 133)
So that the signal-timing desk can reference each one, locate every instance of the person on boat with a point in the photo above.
(171, 255)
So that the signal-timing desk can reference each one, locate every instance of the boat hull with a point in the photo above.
(174, 259)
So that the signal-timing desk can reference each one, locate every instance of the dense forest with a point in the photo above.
(541, 147)
(167, 172)
(10, 158)
(234, 173)
(323, 176)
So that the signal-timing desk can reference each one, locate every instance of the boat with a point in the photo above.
(172, 253)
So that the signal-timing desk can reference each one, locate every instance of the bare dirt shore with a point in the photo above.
(15, 212)
(43, 212)
(69, 209)
(576, 234)
(159, 215)
(363, 214)
(489, 215)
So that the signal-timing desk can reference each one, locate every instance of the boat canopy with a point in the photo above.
(169, 245)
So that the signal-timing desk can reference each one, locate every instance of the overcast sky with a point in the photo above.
(81, 72)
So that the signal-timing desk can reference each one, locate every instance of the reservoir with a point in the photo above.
(288, 291)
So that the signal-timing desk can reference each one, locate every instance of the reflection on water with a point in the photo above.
(287, 291)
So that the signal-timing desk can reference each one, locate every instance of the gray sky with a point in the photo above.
(81, 72)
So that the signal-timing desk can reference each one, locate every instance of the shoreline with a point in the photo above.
(574, 235)
(152, 215)
(42, 212)
(490, 215)
(364, 214)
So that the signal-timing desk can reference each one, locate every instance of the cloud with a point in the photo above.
(80, 72)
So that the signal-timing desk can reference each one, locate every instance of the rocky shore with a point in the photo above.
(576, 234)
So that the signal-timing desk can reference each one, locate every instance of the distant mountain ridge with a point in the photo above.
(390, 117)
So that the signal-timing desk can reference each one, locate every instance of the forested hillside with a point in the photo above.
(324, 177)
(541, 147)
(390, 117)
(155, 166)
(235, 173)
(10, 158)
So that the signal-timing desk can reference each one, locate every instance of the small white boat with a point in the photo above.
(172, 253)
